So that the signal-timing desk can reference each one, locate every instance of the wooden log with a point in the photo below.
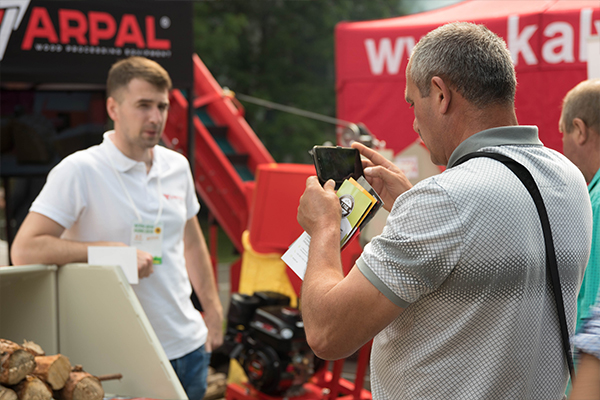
(109, 377)
(54, 370)
(7, 394)
(216, 386)
(15, 363)
(216, 377)
(33, 348)
(81, 386)
(32, 388)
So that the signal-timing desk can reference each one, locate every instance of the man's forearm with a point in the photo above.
(206, 290)
(38, 242)
(341, 313)
(586, 385)
(202, 277)
(203, 281)
(323, 273)
(47, 249)
(200, 271)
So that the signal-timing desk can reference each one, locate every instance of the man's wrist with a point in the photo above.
(327, 233)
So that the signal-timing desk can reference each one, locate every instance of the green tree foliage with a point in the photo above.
(281, 51)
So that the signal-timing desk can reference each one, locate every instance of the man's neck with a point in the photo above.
(590, 158)
(145, 155)
(471, 121)
(594, 166)
(495, 116)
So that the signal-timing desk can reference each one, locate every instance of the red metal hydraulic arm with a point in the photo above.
(226, 154)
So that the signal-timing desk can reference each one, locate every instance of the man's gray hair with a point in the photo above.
(469, 58)
(583, 101)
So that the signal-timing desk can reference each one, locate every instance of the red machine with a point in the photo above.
(266, 336)
(246, 190)
(325, 385)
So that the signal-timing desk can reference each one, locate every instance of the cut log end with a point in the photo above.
(81, 386)
(88, 389)
(7, 394)
(16, 364)
(54, 370)
(32, 388)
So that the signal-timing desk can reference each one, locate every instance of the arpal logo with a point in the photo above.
(11, 15)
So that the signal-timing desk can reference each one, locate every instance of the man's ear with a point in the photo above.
(442, 92)
(581, 131)
(111, 108)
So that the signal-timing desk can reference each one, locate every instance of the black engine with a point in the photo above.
(266, 336)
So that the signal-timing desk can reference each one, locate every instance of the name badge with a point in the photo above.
(147, 236)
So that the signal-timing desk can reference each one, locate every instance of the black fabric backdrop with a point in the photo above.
(78, 41)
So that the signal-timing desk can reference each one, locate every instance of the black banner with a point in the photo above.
(78, 41)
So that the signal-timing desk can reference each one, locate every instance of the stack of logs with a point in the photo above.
(216, 385)
(26, 373)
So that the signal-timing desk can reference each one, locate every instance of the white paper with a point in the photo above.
(125, 257)
(296, 257)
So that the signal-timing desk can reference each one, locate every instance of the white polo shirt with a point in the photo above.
(463, 253)
(84, 195)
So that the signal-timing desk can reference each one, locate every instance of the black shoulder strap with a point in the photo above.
(551, 266)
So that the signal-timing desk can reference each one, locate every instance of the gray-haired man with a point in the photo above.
(454, 290)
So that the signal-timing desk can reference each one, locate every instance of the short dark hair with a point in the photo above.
(123, 71)
(470, 58)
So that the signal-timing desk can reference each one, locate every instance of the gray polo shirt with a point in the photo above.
(463, 253)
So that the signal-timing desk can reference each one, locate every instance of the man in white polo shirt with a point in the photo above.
(110, 194)
(454, 291)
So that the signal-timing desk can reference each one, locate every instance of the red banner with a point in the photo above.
(547, 40)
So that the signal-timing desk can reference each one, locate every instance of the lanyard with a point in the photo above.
(137, 214)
